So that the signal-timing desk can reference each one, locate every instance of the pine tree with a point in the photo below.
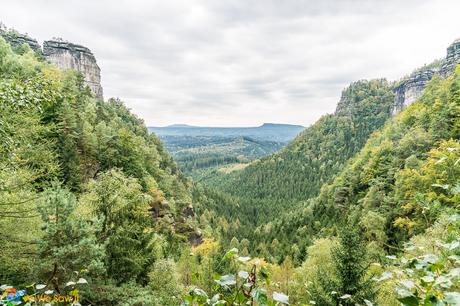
(351, 266)
(69, 243)
(127, 228)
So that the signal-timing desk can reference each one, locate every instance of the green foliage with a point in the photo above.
(164, 280)
(338, 273)
(83, 185)
(241, 288)
(428, 276)
(267, 188)
(351, 264)
(68, 243)
(128, 294)
(126, 225)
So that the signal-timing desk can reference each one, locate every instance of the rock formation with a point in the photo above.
(451, 60)
(410, 88)
(16, 39)
(67, 55)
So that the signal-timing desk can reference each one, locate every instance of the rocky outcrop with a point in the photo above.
(410, 88)
(16, 40)
(452, 59)
(67, 55)
(195, 239)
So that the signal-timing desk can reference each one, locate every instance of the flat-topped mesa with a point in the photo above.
(67, 55)
(409, 89)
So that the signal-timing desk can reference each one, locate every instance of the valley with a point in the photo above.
(205, 151)
(362, 207)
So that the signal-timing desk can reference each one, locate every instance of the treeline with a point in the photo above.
(193, 154)
(191, 162)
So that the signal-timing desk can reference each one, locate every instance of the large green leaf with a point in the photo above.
(281, 297)
(410, 301)
(226, 280)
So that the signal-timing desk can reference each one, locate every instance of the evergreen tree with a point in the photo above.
(69, 243)
(351, 266)
(126, 228)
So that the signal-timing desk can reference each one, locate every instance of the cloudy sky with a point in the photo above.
(241, 62)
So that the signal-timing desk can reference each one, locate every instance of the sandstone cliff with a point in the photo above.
(65, 55)
(17, 39)
(451, 60)
(410, 88)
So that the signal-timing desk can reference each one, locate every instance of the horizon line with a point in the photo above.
(236, 126)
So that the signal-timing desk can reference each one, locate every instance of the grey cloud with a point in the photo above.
(241, 62)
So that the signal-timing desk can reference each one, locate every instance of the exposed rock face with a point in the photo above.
(188, 211)
(452, 59)
(408, 90)
(65, 55)
(195, 239)
(71, 56)
(16, 39)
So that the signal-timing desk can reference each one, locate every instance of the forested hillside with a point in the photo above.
(267, 187)
(201, 156)
(83, 186)
(400, 182)
(392, 208)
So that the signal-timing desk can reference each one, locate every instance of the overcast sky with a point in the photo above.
(242, 62)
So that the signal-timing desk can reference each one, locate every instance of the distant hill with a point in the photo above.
(199, 149)
(179, 126)
(266, 132)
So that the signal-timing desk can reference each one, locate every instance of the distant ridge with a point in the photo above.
(267, 132)
(280, 125)
(179, 126)
(264, 125)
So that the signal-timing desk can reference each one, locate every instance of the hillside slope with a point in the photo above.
(397, 186)
(83, 185)
(314, 156)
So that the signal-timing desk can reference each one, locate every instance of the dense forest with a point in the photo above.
(376, 182)
(275, 183)
(360, 209)
(84, 186)
(199, 156)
